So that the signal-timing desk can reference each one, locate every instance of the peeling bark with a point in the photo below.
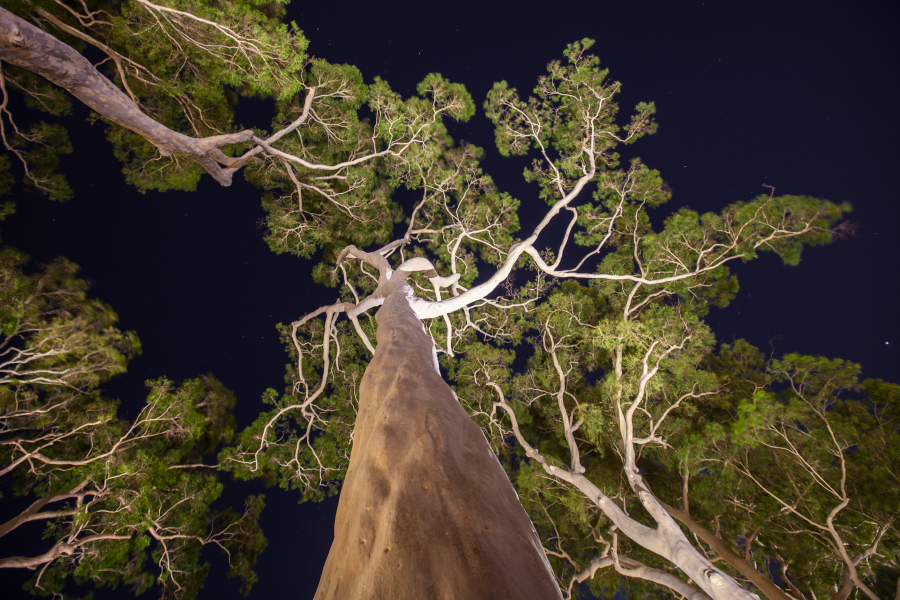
(29, 47)
(426, 510)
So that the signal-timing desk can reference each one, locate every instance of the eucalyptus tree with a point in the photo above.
(801, 465)
(332, 198)
(639, 321)
(109, 494)
(620, 344)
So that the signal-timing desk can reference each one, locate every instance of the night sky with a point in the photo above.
(800, 96)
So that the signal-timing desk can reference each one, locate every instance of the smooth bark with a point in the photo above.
(32, 562)
(426, 510)
(765, 585)
(33, 512)
(844, 592)
(60, 548)
(29, 47)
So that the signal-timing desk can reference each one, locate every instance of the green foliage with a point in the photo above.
(631, 338)
(767, 447)
(570, 121)
(248, 49)
(787, 445)
(192, 63)
(6, 178)
(146, 170)
(187, 63)
(38, 150)
(292, 445)
(634, 337)
(52, 333)
(453, 95)
(40, 95)
(310, 207)
(118, 494)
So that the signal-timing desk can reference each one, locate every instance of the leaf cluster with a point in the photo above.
(121, 501)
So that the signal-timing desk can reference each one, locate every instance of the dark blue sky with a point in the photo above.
(795, 95)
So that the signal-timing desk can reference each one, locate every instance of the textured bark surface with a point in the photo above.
(426, 510)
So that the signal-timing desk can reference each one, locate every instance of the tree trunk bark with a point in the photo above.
(426, 510)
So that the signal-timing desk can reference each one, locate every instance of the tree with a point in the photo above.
(618, 361)
(804, 471)
(649, 338)
(110, 493)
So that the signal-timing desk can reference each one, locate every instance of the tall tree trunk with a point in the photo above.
(426, 510)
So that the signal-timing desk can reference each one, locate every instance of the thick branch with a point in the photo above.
(639, 570)
(32, 513)
(765, 585)
(425, 309)
(59, 549)
(667, 541)
(26, 46)
(848, 584)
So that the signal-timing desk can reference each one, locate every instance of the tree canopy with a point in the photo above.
(122, 502)
(647, 455)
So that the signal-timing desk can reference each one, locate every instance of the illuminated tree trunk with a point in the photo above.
(426, 510)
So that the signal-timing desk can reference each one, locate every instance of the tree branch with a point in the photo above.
(26, 46)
